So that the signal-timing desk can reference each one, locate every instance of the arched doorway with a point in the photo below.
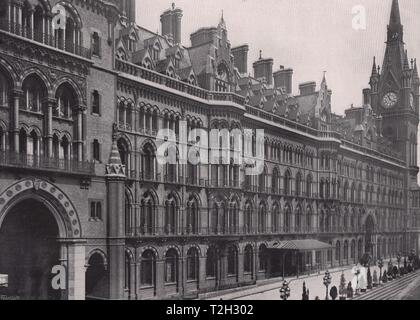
(29, 249)
(369, 240)
(96, 277)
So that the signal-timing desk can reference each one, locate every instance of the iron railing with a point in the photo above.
(20, 160)
(47, 39)
(232, 230)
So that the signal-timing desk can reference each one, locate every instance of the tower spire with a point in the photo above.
(222, 22)
(395, 18)
(395, 28)
(374, 69)
(406, 63)
(415, 71)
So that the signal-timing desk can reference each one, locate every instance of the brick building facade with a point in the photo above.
(81, 184)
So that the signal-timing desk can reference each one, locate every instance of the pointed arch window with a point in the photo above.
(248, 218)
(4, 91)
(171, 210)
(232, 260)
(309, 186)
(148, 269)
(211, 263)
(148, 163)
(96, 44)
(275, 218)
(192, 216)
(34, 93)
(192, 264)
(65, 102)
(287, 218)
(248, 259)
(287, 183)
(262, 213)
(171, 266)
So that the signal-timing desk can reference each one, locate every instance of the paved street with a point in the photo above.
(271, 291)
(413, 291)
(408, 287)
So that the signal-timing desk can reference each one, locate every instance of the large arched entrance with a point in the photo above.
(28, 250)
(39, 229)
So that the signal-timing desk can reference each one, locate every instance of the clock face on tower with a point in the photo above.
(389, 100)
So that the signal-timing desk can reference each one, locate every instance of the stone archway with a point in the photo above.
(39, 229)
(29, 250)
(60, 205)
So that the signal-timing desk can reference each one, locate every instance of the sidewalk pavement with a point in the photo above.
(313, 282)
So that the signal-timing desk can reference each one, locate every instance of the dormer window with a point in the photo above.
(132, 42)
(170, 72)
(155, 51)
(121, 54)
(147, 64)
(192, 81)
(177, 59)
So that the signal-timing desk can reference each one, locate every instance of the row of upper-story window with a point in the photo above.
(415, 198)
(390, 196)
(35, 94)
(147, 119)
(370, 173)
(230, 175)
(229, 218)
(34, 20)
(32, 144)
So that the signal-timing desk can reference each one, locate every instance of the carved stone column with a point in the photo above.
(79, 112)
(115, 179)
(17, 96)
(49, 104)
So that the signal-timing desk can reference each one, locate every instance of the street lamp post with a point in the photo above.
(380, 265)
(327, 282)
(285, 291)
(398, 260)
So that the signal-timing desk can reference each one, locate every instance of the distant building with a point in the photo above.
(80, 185)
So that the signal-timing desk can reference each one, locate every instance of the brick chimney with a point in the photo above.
(366, 96)
(171, 21)
(128, 9)
(283, 79)
(263, 68)
(307, 88)
(240, 56)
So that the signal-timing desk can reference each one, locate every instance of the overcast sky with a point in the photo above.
(310, 36)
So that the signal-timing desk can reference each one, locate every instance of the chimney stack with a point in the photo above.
(240, 57)
(366, 96)
(307, 88)
(171, 23)
(283, 79)
(128, 9)
(263, 68)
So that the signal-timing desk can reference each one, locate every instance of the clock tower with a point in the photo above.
(395, 92)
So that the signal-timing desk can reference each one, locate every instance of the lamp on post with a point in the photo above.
(380, 265)
(327, 282)
(4, 280)
(398, 260)
(285, 291)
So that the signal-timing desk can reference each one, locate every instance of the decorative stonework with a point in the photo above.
(57, 68)
(115, 169)
(62, 203)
